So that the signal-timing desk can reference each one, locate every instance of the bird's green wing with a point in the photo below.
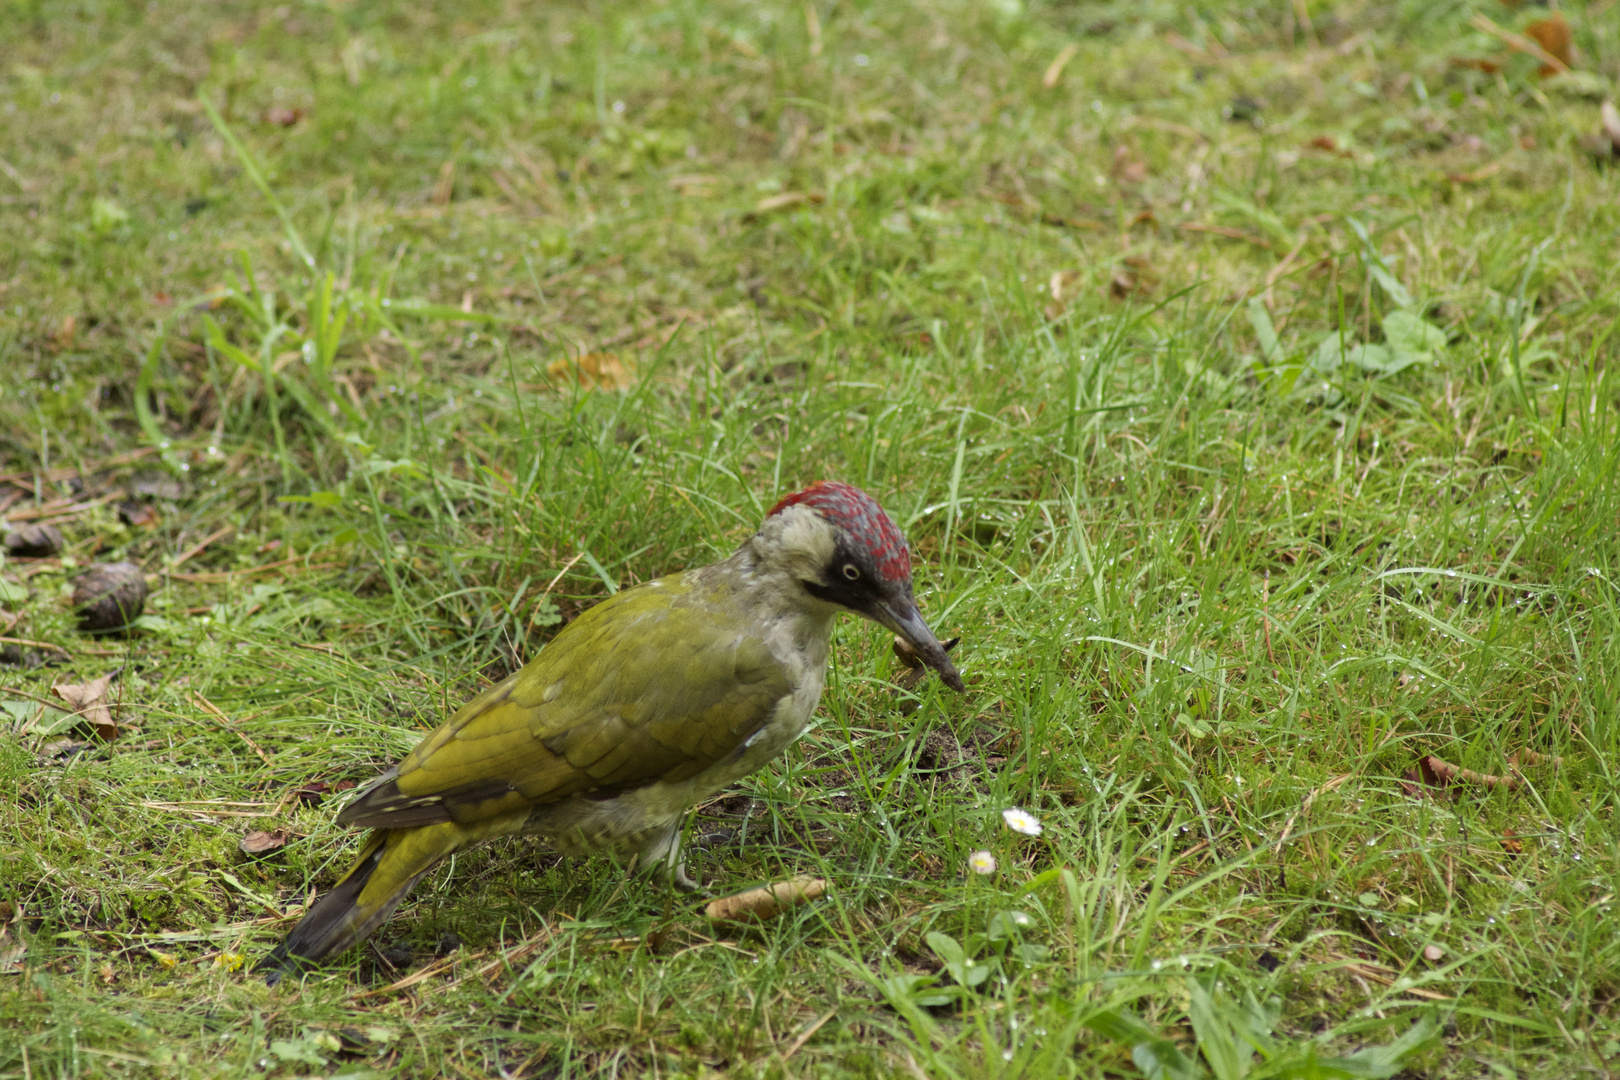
(651, 685)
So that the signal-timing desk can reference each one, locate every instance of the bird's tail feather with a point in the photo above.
(390, 864)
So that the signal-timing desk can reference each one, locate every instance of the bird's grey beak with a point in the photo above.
(901, 615)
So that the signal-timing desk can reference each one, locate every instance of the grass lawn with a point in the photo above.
(1243, 376)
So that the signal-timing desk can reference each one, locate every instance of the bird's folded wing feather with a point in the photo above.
(646, 687)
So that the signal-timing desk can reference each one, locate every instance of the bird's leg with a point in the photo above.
(679, 878)
(665, 850)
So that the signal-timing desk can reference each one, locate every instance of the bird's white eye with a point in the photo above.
(852, 572)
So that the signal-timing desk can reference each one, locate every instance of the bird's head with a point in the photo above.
(836, 542)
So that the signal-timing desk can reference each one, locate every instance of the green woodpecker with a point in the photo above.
(643, 705)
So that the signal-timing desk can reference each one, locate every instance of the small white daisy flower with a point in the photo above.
(1021, 821)
(982, 862)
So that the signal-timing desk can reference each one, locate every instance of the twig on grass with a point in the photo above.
(219, 714)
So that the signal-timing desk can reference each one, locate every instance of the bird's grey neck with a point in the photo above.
(772, 584)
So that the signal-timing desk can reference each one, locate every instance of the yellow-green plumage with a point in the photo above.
(588, 716)
(645, 703)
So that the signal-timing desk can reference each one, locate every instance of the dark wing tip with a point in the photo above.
(383, 806)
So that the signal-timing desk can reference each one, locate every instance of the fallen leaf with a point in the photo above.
(1129, 168)
(1329, 144)
(1059, 285)
(1511, 843)
(57, 748)
(1054, 70)
(11, 959)
(1551, 64)
(259, 843)
(281, 116)
(597, 370)
(89, 702)
(1553, 35)
(310, 794)
(1132, 277)
(137, 515)
(767, 901)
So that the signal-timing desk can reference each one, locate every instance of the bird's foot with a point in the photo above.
(678, 877)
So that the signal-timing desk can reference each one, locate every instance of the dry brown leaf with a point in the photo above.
(1060, 283)
(281, 116)
(138, 515)
(1059, 286)
(1511, 843)
(310, 794)
(1054, 70)
(1553, 35)
(1133, 276)
(1551, 64)
(1329, 144)
(593, 371)
(259, 843)
(89, 702)
(58, 748)
(1128, 167)
(767, 901)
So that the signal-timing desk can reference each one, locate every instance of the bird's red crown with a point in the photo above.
(861, 519)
